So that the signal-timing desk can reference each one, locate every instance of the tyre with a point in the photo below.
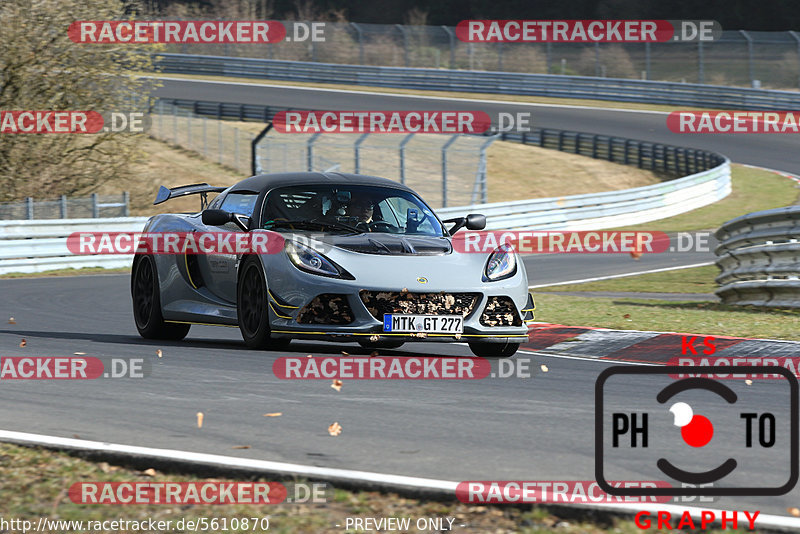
(251, 307)
(493, 350)
(387, 344)
(147, 303)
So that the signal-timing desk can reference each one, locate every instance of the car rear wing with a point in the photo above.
(203, 190)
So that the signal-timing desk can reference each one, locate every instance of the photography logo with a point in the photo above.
(733, 439)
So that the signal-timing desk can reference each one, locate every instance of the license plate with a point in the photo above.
(429, 324)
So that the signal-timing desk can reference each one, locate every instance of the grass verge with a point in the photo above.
(706, 318)
(695, 280)
(36, 484)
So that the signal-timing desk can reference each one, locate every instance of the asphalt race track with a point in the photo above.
(538, 428)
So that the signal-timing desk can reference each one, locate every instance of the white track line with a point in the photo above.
(403, 95)
(609, 277)
(766, 520)
(584, 358)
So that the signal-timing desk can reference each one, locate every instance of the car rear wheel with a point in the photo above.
(251, 306)
(147, 304)
(493, 350)
(387, 344)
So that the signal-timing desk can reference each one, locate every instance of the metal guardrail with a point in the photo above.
(611, 209)
(759, 259)
(92, 206)
(37, 246)
(508, 83)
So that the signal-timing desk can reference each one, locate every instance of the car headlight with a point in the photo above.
(502, 264)
(309, 260)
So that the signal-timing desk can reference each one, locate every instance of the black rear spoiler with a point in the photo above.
(165, 194)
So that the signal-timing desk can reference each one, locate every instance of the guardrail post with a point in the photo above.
(236, 148)
(360, 35)
(750, 73)
(404, 33)
(594, 146)
(28, 208)
(596, 58)
(701, 76)
(610, 150)
(357, 151)
(797, 38)
(126, 197)
(310, 151)
(444, 168)
(205, 136)
(254, 166)
(500, 55)
(161, 117)
(452, 37)
(63, 206)
(625, 152)
(95, 207)
(560, 141)
(403, 144)
(219, 141)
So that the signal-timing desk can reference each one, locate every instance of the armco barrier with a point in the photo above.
(759, 258)
(611, 209)
(37, 246)
(508, 83)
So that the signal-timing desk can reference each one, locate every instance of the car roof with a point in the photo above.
(263, 182)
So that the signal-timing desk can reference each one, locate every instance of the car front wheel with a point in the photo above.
(147, 303)
(251, 307)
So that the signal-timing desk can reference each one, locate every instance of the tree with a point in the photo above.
(41, 69)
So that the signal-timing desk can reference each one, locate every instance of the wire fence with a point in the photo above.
(93, 206)
(215, 140)
(738, 58)
(447, 170)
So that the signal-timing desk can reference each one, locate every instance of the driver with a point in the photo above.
(362, 208)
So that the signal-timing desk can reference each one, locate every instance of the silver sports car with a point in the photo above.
(361, 259)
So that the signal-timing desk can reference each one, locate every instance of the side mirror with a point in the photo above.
(217, 217)
(476, 221)
(222, 217)
(473, 221)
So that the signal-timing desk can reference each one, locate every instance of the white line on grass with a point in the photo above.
(623, 275)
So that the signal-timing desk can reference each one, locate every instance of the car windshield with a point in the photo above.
(349, 209)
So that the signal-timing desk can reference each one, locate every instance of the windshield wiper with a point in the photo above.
(315, 223)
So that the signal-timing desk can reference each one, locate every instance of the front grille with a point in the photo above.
(382, 302)
(328, 308)
(500, 311)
